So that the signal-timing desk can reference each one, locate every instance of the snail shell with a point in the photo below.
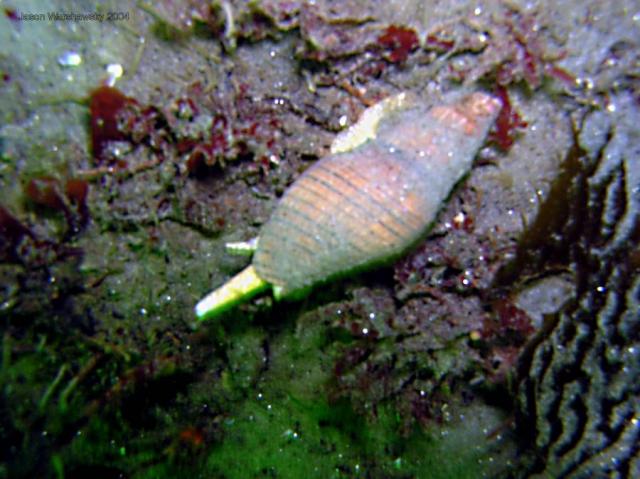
(369, 205)
(369, 201)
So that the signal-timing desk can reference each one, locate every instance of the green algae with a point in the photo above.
(294, 439)
(287, 427)
(273, 420)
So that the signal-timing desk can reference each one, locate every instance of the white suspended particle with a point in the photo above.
(69, 59)
(114, 72)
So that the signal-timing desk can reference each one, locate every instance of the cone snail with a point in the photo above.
(368, 202)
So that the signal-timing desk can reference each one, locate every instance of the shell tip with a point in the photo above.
(278, 292)
(206, 307)
(241, 287)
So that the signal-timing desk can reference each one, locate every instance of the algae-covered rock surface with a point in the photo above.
(138, 138)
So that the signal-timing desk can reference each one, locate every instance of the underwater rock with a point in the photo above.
(579, 396)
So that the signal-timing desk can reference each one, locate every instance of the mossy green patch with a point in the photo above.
(288, 427)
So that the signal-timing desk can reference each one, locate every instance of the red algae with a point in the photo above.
(507, 123)
(105, 107)
(399, 42)
(561, 74)
(45, 191)
(205, 132)
(77, 190)
(437, 42)
(531, 59)
(192, 437)
(510, 322)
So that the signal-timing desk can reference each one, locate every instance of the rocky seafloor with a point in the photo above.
(137, 139)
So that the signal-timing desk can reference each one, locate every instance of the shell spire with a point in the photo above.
(241, 287)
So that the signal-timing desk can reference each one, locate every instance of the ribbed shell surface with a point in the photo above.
(345, 212)
(361, 207)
